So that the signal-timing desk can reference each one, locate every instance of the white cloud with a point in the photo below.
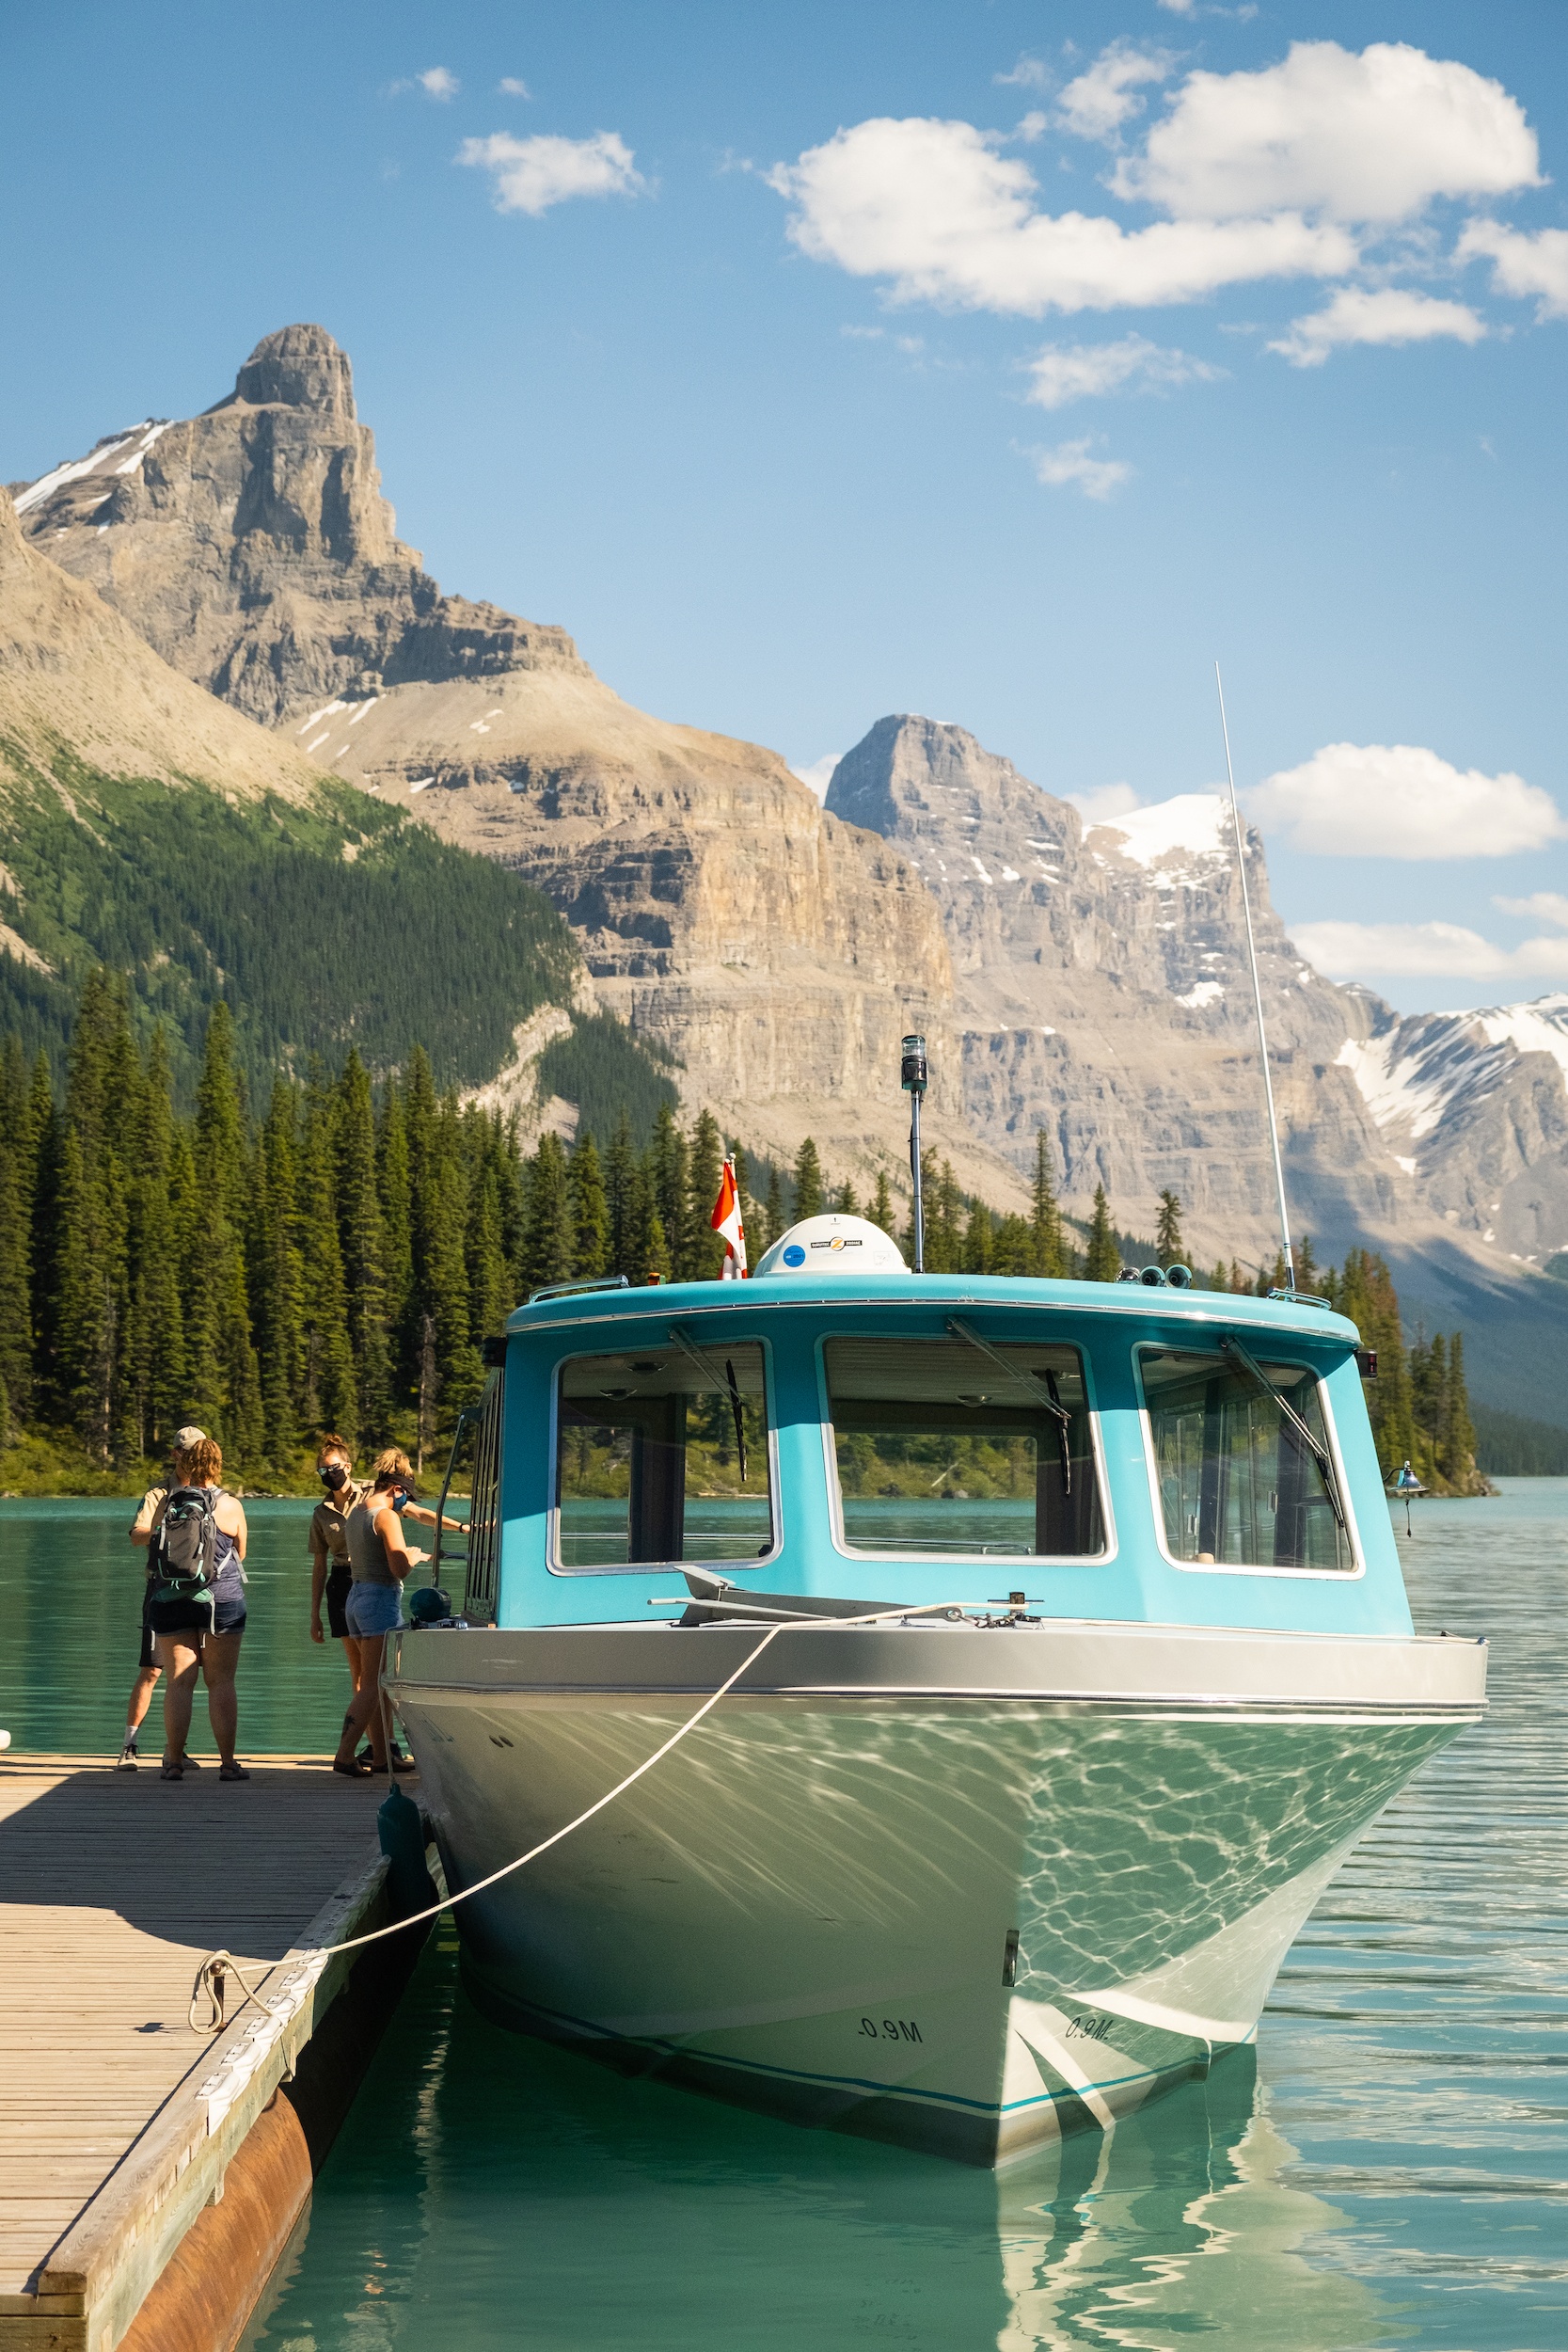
(1367, 137)
(510, 87)
(933, 206)
(437, 82)
(1068, 371)
(1103, 803)
(531, 175)
(1097, 104)
(1388, 315)
(1398, 800)
(1521, 264)
(1425, 951)
(1542, 906)
(819, 774)
(1068, 466)
(1029, 74)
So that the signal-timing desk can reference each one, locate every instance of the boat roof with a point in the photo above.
(1128, 1302)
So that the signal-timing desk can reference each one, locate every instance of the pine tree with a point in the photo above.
(277, 1278)
(1049, 1252)
(329, 1386)
(774, 1219)
(550, 1246)
(1308, 1272)
(946, 1227)
(844, 1204)
(217, 1291)
(155, 1360)
(881, 1210)
(619, 1202)
(707, 1255)
(1460, 1471)
(1102, 1260)
(1368, 1298)
(394, 1187)
(590, 1210)
(668, 1172)
(16, 1272)
(977, 1251)
(491, 1296)
(1169, 1246)
(807, 1177)
(649, 1250)
(363, 1240)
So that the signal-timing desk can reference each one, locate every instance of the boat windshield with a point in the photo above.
(662, 1454)
(1240, 1486)
(962, 1446)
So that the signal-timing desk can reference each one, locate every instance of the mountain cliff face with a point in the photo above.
(1103, 991)
(777, 952)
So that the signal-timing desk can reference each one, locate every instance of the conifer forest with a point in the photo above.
(334, 1254)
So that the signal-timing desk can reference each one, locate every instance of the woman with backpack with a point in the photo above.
(379, 1559)
(197, 1605)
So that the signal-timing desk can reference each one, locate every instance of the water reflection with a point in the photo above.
(535, 2197)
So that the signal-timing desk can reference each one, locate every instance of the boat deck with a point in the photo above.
(113, 1888)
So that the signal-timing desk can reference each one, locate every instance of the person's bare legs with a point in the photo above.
(141, 1697)
(365, 1715)
(221, 1659)
(180, 1657)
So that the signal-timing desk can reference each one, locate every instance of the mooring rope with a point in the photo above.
(217, 1963)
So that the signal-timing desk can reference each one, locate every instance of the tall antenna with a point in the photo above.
(1256, 996)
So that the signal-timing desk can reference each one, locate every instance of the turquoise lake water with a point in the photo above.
(1391, 2169)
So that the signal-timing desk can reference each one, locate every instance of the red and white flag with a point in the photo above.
(725, 1220)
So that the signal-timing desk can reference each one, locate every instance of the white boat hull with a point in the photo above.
(813, 1905)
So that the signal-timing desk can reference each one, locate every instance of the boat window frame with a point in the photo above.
(1260, 1345)
(554, 1566)
(989, 1560)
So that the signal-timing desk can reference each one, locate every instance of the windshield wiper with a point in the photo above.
(1320, 1453)
(1045, 1393)
(729, 1386)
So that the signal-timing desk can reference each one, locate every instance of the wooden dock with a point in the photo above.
(116, 2123)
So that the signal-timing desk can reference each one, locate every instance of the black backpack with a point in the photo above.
(182, 1555)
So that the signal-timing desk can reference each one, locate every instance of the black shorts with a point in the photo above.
(146, 1661)
(219, 1615)
(340, 1583)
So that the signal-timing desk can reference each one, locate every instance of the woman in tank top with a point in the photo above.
(379, 1559)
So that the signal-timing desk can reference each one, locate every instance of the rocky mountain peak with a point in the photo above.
(298, 367)
(253, 550)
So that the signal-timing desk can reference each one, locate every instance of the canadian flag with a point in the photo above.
(726, 1220)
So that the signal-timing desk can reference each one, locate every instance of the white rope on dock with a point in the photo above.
(208, 1985)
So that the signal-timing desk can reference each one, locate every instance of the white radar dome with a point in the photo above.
(832, 1245)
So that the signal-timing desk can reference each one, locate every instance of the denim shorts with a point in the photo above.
(374, 1609)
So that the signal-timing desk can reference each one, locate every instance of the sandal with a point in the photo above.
(355, 1770)
(171, 1771)
(232, 1772)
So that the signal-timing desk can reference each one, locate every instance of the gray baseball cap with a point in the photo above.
(185, 1439)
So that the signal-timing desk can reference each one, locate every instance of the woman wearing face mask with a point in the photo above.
(331, 1576)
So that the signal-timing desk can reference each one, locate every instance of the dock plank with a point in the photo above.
(113, 1888)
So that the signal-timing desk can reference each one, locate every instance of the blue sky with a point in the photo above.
(761, 348)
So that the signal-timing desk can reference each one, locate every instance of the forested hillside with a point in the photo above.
(332, 1253)
(323, 925)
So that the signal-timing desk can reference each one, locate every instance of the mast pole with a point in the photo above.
(1257, 994)
(913, 1076)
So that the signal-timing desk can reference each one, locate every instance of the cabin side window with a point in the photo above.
(1242, 1462)
(662, 1454)
(945, 1447)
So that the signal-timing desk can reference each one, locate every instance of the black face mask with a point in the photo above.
(332, 1474)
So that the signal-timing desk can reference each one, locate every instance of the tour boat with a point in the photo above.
(1095, 1663)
